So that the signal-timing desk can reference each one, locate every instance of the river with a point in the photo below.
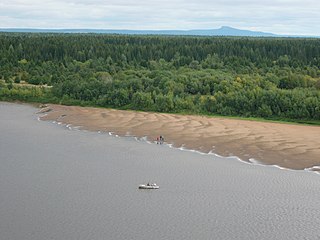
(57, 183)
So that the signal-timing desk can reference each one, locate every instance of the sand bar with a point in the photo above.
(286, 145)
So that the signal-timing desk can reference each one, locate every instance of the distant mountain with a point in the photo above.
(223, 31)
(229, 31)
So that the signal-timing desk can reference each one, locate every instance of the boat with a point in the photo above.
(149, 186)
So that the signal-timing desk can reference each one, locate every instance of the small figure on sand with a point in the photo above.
(160, 139)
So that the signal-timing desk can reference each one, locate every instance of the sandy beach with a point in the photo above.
(286, 145)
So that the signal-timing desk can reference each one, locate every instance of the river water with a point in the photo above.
(57, 183)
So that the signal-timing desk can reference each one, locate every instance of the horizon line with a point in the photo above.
(271, 34)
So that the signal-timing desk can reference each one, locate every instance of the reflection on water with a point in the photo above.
(57, 183)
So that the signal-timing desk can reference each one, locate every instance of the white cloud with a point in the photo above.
(278, 16)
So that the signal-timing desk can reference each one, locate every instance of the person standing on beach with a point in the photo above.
(161, 139)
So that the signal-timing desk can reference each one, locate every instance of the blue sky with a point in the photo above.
(277, 16)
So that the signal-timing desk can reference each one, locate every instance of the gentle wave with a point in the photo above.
(252, 161)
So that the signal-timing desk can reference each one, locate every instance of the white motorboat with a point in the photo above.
(148, 186)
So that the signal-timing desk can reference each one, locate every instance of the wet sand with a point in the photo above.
(286, 145)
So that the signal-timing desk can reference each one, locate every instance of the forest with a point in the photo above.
(270, 78)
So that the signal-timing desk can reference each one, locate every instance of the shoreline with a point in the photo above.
(265, 143)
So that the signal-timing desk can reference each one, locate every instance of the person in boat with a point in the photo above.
(148, 184)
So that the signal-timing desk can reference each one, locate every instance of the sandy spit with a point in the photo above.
(286, 145)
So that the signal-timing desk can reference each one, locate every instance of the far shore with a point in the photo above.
(286, 145)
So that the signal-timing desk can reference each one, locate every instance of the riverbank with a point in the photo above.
(286, 145)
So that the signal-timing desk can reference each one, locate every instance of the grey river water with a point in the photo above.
(57, 183)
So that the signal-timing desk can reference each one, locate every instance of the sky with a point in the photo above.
(295, 17)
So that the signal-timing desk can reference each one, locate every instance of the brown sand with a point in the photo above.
(286, 145)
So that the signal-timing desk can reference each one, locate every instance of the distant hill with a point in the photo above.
(223, 31)
(229, 31)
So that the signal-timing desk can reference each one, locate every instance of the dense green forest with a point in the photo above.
(275, 78)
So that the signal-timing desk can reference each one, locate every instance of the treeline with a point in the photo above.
(251, 77)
